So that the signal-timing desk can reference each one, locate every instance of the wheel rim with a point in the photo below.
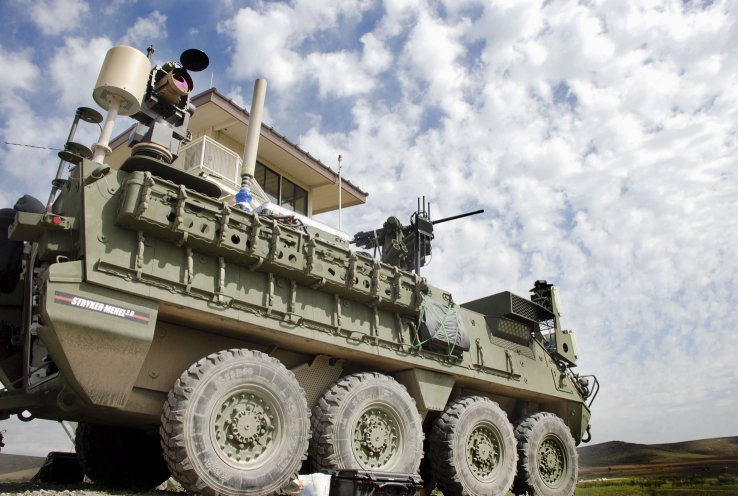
(246, 427)
(484, 451)
(377, 437)
(552, 461)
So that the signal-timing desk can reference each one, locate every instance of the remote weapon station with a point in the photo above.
(209, 338)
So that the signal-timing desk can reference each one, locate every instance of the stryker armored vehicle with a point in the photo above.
(217, 339)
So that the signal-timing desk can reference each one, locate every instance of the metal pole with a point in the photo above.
(243, 197)
(254, 131)
(101, 148)
(60, 170)
(340, 159)
(69, 433)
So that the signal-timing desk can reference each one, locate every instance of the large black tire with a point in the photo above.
(119, 457)
(548, 460)
(426, 469)
(367, 421)
(235, 423)
(473, 448)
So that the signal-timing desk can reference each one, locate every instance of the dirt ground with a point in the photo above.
(16, 472)
(34, 489)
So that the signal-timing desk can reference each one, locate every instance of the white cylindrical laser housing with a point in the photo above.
(124, 76)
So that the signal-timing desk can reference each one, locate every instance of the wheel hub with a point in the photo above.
(483, 452)
(244, 427)
(247, 425)
(552, 462)
(376, 437)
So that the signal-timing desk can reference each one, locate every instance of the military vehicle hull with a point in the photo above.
(133, 279)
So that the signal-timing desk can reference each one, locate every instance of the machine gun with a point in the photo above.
(397, 242)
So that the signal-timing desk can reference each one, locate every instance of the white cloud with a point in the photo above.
(269, 37)
(432, 55)
(24, 74)
(276, 33)
(74, 68)
(54, 17)
(28, 169)
(146, 29)
(346, 73)
(113, 7)
(376, 57)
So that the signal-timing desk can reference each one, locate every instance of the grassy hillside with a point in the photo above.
(18, 467)
(14, 463)
(718, 447)
(704, 459)
(621, 453)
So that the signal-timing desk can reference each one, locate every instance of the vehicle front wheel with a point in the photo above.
(548, 459)
(473, 448)
(235, 423)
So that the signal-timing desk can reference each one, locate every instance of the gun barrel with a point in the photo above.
(454, 217)
(367, 239)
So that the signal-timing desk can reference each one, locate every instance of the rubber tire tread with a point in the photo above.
(120, 458)
(326, 419)
(530, 432)
(173, 430)
(456, 480)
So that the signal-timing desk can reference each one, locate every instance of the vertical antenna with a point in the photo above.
(340, 159)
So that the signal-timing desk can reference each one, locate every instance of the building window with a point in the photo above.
(293, 197)
(269, 182)
(280, 190)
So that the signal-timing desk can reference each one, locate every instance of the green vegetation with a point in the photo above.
(722, 485)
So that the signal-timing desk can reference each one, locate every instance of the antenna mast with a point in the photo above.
(340, 159)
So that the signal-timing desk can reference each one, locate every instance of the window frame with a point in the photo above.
(298, 192)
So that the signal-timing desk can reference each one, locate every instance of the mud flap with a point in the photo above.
(97, 337)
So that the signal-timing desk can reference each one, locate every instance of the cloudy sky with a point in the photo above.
(599, 136)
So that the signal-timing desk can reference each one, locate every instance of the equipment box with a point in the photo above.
(366, 483)
(60, 468)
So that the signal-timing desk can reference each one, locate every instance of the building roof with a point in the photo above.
(222, 119)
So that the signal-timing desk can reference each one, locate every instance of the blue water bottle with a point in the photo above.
(243, 199)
